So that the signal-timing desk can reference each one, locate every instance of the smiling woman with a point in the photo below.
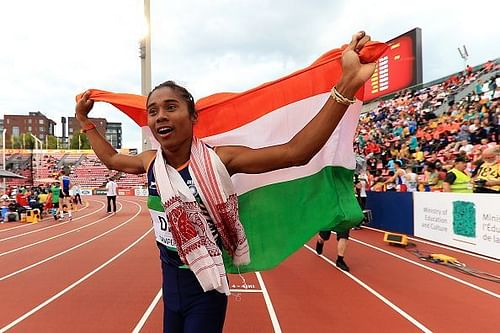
(194, 207)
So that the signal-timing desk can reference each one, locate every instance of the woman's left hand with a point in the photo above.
(354, 73)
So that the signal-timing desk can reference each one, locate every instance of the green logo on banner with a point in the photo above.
(464, 218)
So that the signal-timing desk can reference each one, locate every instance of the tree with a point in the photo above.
(79, 141)
(22, 141)
(51, 142)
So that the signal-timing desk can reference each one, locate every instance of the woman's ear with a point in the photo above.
(194, 117)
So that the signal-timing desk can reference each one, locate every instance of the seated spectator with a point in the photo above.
(487, 178)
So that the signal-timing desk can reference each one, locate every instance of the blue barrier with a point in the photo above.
(391, 211)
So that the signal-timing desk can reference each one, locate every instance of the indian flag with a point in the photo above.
(280, 210)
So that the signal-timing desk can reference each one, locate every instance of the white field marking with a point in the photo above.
(376, 294)
(43, 219)
(5, 277)
(148, 312)
(246, 290)
(269, 304)
(486, 291)
(57, 236)
(443, 247)
(65, 290)
(54, 225)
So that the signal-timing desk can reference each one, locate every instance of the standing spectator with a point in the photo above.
(362, 186)
(398, 178)
(64, 197)
(111, 191)
(411, 180)
(77, 194)
(55, 192)
(457, 180)
(342, 238)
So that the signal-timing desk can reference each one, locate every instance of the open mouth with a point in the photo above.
(164, 130)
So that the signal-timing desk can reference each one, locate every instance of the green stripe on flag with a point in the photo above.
(280, 218)
(154, 203)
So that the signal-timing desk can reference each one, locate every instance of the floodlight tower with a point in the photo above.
(145, 55)
(463, 54)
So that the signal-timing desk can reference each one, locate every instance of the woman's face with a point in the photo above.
(169, 119)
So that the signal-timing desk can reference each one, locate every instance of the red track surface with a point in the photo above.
(101, 273)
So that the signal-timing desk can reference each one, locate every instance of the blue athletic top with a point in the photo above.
(65, 183)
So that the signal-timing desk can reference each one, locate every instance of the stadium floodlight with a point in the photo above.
(145, 55)
(465, 51)
(463, 54)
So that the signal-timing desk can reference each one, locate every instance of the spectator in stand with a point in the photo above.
(487, 179)
(397, 178)
(411, 179)
(413, 144)
(468, 71)
(391, 185)
(111, 193)
(457, 179)
(431, 177)
(418, 155)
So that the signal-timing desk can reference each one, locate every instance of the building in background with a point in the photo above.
(111, 131)
(35, 123)
(114, 134)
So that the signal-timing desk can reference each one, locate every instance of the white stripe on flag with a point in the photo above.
(280, 126)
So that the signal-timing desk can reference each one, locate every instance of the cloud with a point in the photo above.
(54, 49)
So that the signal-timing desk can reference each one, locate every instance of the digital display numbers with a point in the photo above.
(398, 68)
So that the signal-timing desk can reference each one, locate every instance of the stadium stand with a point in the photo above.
(431, 126)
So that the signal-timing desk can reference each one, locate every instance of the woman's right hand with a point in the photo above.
(83, 107)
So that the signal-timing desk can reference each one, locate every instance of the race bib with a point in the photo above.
(163, 231)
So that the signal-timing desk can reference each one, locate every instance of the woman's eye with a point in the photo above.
(170, 107)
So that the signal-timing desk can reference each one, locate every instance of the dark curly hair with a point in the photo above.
(183, 92)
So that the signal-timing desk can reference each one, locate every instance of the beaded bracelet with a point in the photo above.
(339, 98)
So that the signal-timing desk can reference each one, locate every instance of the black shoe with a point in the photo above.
(319, 248)
(340, 263)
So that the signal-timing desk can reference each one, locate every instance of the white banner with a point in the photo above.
(86, 191)
(467, 221)
(141, 192)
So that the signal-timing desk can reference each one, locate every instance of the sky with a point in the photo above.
(54, 49)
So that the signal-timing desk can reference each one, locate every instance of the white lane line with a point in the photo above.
(376, 294)
(53, 225)
(65, 290)
(443, 246)
(56, 236)
(246, 290)
(486, 291)
(74, 247)
(148, 312)
(269, 304)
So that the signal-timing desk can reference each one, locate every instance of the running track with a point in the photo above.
(101, 273)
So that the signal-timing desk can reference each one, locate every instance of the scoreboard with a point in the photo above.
(398, 68)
